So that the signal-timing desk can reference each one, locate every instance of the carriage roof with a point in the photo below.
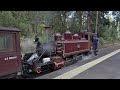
(9, 29)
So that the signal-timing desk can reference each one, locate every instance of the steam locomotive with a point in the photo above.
(51, 55)
(55, 54)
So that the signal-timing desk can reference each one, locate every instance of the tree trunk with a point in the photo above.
(96, 29)
(79, 17)
(88, 21)
(81, 14)
(84, 26)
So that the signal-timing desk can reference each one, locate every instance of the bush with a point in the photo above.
(101, 41)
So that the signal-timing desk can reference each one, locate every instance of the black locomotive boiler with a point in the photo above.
(42, 59)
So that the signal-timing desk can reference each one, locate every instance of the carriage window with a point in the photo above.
(6, 42)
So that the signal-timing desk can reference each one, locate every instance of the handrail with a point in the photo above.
(40, 56)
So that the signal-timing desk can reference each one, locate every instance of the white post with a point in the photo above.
(96, 22)
(118, 29)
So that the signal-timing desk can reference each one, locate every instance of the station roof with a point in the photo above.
(9, 29)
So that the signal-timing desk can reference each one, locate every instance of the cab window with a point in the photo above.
(7, 42)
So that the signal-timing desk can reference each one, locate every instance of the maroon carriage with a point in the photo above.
(10, 57)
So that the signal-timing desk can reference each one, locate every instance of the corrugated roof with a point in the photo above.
(9, 29)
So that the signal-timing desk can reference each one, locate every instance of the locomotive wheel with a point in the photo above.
(56, 67)
(37, 70)
(52, 67)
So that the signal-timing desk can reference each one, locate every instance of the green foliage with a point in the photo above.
(31, 22)
(7, 19)
(101, 41)
(23, 20)
(24, 28)
(74, 25)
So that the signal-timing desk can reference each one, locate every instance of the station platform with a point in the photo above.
(106, 65)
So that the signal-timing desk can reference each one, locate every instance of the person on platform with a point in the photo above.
(95, 44)
(36, 41)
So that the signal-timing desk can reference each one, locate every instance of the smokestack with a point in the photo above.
(47, 17)
(47, 33)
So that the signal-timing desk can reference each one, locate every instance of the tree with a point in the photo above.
(79, 15)
(59, 21)
(96, 21)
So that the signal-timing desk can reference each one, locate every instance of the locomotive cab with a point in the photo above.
(10, 56)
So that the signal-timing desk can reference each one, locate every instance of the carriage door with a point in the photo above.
(8, 53)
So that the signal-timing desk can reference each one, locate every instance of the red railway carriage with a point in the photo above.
(10, 56)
